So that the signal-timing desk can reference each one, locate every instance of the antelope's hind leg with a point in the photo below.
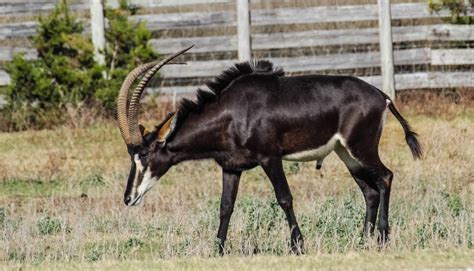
(273, 167)
(374, 180)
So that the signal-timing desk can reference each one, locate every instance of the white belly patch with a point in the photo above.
(315, 154)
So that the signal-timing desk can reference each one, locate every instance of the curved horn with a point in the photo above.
(123, 96)
(135, 136)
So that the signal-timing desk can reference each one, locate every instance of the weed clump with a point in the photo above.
(49, 226)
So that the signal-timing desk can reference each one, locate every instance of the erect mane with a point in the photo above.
(218, 84)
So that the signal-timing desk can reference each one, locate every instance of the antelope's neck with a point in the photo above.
(200, 136)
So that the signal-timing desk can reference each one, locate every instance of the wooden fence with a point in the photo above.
(309, 39)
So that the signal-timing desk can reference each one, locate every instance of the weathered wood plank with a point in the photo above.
(318, 38)
(386, 47)
(202, 44)
(24, 8)
(7, 53)
(305, 63)
(321, 14)
(452, 57)
(301, 64)
(196, 69)
(27, 29)
(166, 3)
(97, 23)
(187, 19)
(351, 61)
(419, 80)
(304, 39)
(18, 30)
(28, 7)
(4, 78)
(427, 80)
(403, 81)
(243, 30)
(339, 13)
(320, 63)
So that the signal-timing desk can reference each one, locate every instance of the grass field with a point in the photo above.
(61, 206)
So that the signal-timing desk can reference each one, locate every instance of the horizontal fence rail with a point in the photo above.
(320, 63)
(322, 14)
(295, 39)
(419, 80)
(319, 38)
(285, 14)
(25, 7)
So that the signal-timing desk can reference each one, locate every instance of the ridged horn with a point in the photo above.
(123, 97)
(135, 136)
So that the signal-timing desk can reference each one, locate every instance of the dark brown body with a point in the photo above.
(254, 119)
(256, 116)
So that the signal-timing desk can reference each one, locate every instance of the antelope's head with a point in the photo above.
(148, 155)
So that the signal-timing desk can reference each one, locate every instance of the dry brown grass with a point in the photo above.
(445, 103)
(61, 199)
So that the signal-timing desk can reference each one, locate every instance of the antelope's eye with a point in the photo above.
(143, 155)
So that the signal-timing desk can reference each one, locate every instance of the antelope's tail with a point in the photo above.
(410, 135)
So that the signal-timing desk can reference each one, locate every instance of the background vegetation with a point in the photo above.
(458, 9)
(65, 82)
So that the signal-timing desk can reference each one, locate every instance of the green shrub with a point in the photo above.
(458, 9)
(65, 74)
(127, 47)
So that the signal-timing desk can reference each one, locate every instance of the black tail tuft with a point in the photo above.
(410, 136)
(414, 144)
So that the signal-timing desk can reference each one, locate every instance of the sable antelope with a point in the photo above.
(254, 115)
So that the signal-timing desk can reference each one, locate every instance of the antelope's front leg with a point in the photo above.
(230, 186)
(273, 167)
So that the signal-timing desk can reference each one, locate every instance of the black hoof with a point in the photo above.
(297, 246)
(383, 239)
(220, 247)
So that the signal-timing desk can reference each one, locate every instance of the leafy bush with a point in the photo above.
(127, 47)
(66, 75)
(458, 9)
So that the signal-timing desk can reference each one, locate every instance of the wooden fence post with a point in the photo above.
(386, 50)
(243, 29)
(98, 30)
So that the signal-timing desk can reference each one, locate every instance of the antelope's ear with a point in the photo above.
(143, 130)
(167, 129)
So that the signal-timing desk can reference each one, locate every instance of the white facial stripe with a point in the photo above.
(147, 182)
(138, 163)
(138, 169)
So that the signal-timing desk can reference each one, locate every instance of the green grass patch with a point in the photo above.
(31, 187)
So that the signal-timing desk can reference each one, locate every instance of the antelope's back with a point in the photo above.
(297, 112)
